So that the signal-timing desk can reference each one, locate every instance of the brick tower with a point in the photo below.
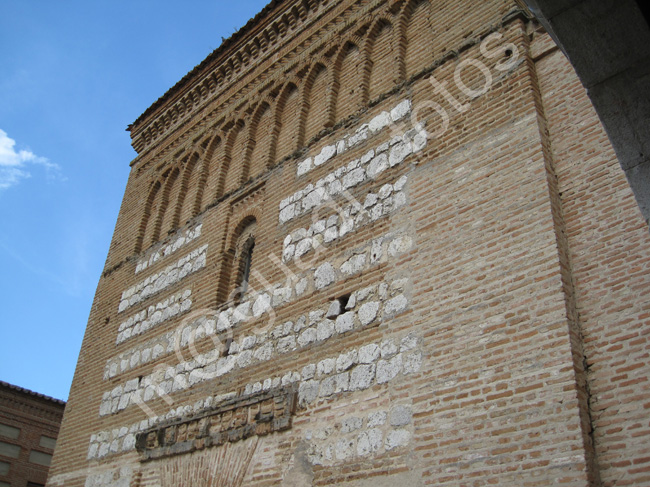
(368, 243)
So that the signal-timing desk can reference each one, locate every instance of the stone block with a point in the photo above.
(344, 322)
(369, 353)
(334, 309)
(303, 168)
(388, 369)
(378, 165)
(399, 152)
(324, 330)
(325, 275)
(348, 425)
(308, 391)
(325, 155)
(346, 360)
(362, 377)
(344, 449)
(354, 177)
(379, 122)
(397, 438)
(377, 418)
(369, 442)
(325, 367)
(401, 415)
(308, 336)
(368, 312)
(395, 305)
(401, 110)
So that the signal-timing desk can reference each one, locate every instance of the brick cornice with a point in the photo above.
(234, 95)
(260, 39)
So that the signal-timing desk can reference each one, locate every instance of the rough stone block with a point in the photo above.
(361, 377)
(345, 322)
(306, 337)
(303, 168)
(348, 425)
(369, 353)
(378, 165)
(325, 275)
(354, 177)
(344, 449)
(388, 369)
(346, 360)
(368, 312)
(325, 155)
(399, 152)
(369, 442)
(334, 309)
(377, 419)
(379, 122)
(401, 110)
(325, 367)
(396, 305)
(401, 415)
(308, 391)
(397, 438)
(324, 330)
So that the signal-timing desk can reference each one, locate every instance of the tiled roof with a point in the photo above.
(31, 393)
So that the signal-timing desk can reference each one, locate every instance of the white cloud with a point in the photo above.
(14, 164)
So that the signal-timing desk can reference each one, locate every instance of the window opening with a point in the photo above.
(337, 307)
(9, 431)
(245, 266)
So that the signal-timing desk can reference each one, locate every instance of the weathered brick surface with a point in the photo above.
(462, 308)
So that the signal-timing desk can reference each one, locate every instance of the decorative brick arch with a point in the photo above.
(190, 165)
(210, 166)
(306, 103)
(232, 131)
(339, 65)
(230, 271)
(171, 180)
(279, 120)
(404, 43)
(154, 189)
(371, 60)
(253, 146)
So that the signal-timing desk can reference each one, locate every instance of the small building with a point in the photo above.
(29, 426)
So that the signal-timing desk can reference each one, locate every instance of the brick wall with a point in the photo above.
(446, 266)
(29, 426)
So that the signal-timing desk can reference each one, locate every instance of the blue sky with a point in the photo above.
(73, 75)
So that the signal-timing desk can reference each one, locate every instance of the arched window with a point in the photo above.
(245, 264)
(240, 271)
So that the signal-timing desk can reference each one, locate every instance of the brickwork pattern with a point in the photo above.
(446, 265)
(31, 416)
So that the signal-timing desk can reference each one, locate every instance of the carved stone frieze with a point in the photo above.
(253, 415)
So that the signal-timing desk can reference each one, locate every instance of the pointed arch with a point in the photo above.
(346, 85)
(233, 153)
(210, 170)
(286, 122)
(189, 187)
(380, 59)
(262, 128)
(417, 37)
(163, 223)
(238, 261)
(315, 112)
(146, 222)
